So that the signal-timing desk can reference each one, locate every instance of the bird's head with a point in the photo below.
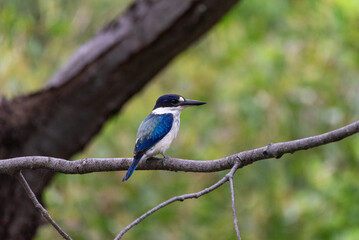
(174, 101)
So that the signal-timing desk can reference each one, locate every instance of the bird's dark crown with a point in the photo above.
(169, 100)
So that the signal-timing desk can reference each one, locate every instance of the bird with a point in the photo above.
(156, 133)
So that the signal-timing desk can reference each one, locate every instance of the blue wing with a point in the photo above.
(151, 131)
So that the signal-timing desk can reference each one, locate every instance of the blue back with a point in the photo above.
(151, 131)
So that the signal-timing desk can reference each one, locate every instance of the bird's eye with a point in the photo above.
(174, 101)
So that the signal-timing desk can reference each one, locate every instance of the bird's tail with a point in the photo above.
(132, 168)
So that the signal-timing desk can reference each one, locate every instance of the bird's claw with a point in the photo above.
(157, 158)
(152, 159)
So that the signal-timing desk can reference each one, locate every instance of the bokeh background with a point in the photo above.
(270, 71)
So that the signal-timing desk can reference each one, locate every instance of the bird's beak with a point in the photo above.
(190, 103)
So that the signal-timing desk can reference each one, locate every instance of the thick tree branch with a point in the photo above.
(103, 75)
(88, 165)
(39, 207)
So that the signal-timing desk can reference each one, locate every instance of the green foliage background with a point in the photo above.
(270, 71)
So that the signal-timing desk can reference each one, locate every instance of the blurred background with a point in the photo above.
(269, 71)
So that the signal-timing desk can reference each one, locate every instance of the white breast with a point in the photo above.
(162, 146)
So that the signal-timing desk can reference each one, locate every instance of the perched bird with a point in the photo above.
(158, 130)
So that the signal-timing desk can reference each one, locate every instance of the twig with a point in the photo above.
(39, 207)
(179, 198)
(235, 220)
(88, 165)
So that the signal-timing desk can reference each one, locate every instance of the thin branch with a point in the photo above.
(88, 165)
(235, 220)
(39, 207)
(179, 198)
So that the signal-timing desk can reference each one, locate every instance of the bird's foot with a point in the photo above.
(153, 159)
(157, 158)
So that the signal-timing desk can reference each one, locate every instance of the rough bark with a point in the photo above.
(95, 83)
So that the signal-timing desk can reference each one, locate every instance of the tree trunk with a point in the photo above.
(98, 79)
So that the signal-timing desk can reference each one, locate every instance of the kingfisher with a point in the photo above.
(157, 131)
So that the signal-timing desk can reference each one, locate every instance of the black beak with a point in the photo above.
(189, 103)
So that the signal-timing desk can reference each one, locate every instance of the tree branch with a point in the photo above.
(180, 198)
(39, 207)
(235, 220)
(88, 165)
(15, 165)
